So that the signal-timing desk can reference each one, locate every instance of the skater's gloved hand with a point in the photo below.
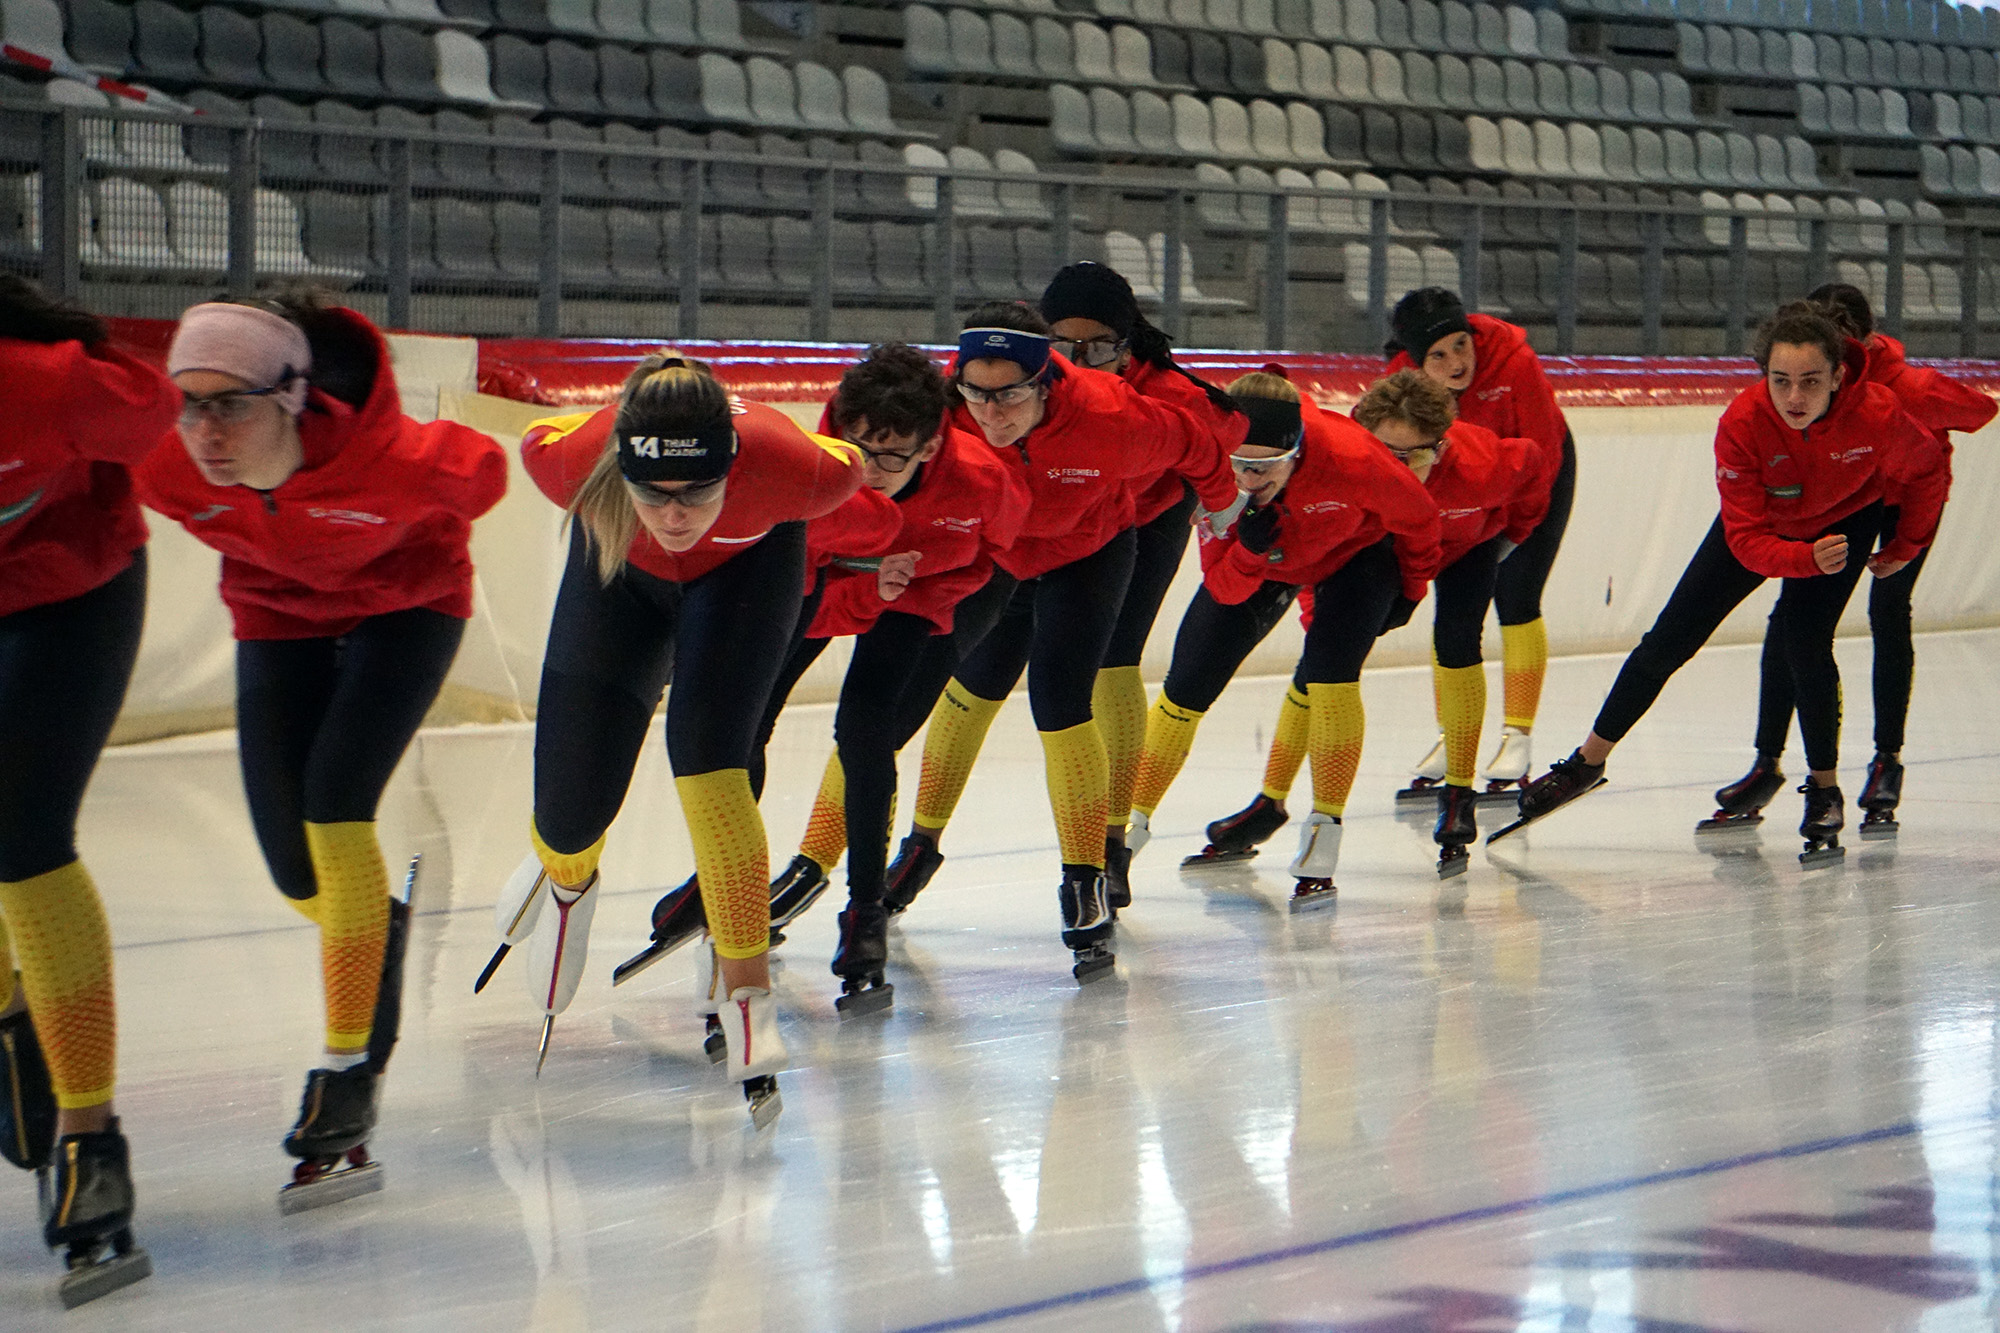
(1830, 553)
(893, 579)
(1882, 567)
(1400, 612)
(1219, 521)
(1257, 530)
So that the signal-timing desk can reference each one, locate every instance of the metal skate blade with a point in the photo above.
(1882, 830)
(1094, 969)
(1505, 796)
(1413, 794)
(858, 1004)
(1824, 856)
(1314, 899)
(1724, 824)
(542, 1055)
(766, 1108)
(82, 1285)
(338, 1186)
(410, 880)
(491, 967)
(1522, 823)
(1202, 859)
(716, 1047)
(645, 958)
(1450, 867)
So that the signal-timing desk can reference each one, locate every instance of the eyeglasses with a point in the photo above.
(1411, 454)
(232, 407)
(688, 497)
(1257, 467)
(1095, 353)
(1011, 395)
(889, 460)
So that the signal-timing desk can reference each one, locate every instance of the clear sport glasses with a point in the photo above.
(691, 497)
(232, 407)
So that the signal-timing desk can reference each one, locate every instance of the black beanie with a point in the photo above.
(1092, 291)
(1424, 316)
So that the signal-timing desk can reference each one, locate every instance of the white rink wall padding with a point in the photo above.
(1645, 495)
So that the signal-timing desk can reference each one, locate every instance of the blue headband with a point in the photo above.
(1029, 351)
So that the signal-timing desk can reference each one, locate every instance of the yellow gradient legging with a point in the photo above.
(53, 926)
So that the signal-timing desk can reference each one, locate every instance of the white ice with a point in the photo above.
(1605, 1081)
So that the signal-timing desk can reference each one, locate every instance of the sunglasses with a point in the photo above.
(1011, 395)
(1095, 353)
(232, 407)
(688, 497)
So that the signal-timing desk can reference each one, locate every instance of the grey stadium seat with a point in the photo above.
(350, 58)
(624, 82)
(291, 53)
(343, 158)
(98, 34)
(676, 85)
(230, 46)
(586, 244)
(165, 43)
(572, 79)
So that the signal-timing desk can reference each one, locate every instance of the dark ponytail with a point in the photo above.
(31, 315)
(1149, 346)
(344, 363)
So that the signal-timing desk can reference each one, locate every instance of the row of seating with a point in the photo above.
(1917, 20)
(1881, 113)
(1768, 53)
(1960, 172)
(1951, 118)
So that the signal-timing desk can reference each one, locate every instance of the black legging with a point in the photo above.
(1463, 589)
(1349, 607)
(322, 723)
(1156, 559)
(1714, 584)
(1056, 627)
(1517, 591)
(721, 637)
(64, 667)
(1895, 661)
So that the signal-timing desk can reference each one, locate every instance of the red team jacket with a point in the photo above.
(1154, 498)
(1097, 436)
(377, 520)
(1485, 487)
(1509, 394)
(1938, 403)
(80, 418)
(1346, 493)
(1782, 488)
(782, 474)
(966, 508)
(865, 524)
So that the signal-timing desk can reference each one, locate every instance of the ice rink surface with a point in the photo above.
(1605, 1081)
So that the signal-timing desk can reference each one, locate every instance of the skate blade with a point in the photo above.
(486, 974)
(1823, 856)
(1883, 830)
(82, 1285)
(765, 1105)
(1313, 899)
(1503, 796)
(716, 1047)
(1095, 968)
(348, 1182)
(1728, 824)
(645, 958)
(1208, 858)
(1452, 866)
(872, 1000)
(1522, 823)
(1419, 793)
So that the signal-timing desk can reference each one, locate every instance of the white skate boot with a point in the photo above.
(1507, 771)
(708, 1001)
(557, 952)
(1428, 774)
(515, 913)
(1138, 833)
(756, 1051)
(1319, 854)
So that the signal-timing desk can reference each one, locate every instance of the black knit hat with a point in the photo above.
(1424, 316)
(1092, 291)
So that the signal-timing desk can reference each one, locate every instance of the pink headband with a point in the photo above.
(256, 346)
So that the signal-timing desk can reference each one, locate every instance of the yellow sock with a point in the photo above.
(951, 743)
(59, 934)
(1078, 776)
(567, 868)
(353, 926)
(1524, 655)
(1461, 693)
(1118, 703)
(1288, 744)
(1169, 732)
(731, 858)
(1338, 724)
(826, 828)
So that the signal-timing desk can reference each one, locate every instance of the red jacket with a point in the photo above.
(376, 520)
(963, 509)
(782, 474)
(865, 524)
(1150, 499)
(1939, 403)
(1782, 488)
(1096, 435)
(1346, 493)
(1509, 394)
(83, 417)
(1485, 486)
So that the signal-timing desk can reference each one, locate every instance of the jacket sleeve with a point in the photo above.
(1528, 502)
(114, 407)
(559, 452)
(468, 471)
(864, 524)
(1536, 416)
(1165, 438)
(1411, 516)
(1006, 509)
(1916, 479)
(1940, 403)
(1745, 519)
(1229, 572)
(937, 597)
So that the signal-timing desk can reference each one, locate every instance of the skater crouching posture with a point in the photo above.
(1329, 509)
(343, 527)
(1939, 405)
(687, 558)
(1804, 460)
(1489, 496)
(1493, 372)
(1082, 438)
(72, 598)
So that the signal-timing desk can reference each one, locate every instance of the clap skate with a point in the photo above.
(1236, 837)
(1427, 777)
(798, 888)
(1821, 826)
(1739, 805)
(1880, 795)
(86, 1202)
(1566, 781)
(1087, 921)
(1456, 829)
(27, 1100)
(1319, 855)
(754, 1050)
(917, 860)
(859, 961)
(708, 1003)
(1507, 771)
(677, 918)
(515, 913)
(557, 952)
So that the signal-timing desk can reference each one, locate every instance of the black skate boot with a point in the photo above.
(1879, 797)
(1117, 875)
(859, 960)
(677, 918)
(917, 860)
(1740, 804)
(1087, 921)
(388, 1021)
(86, 1197)
(1821, 826)
(793, 892)
(336, 1115)
(1236, 837)
(1456, 829)
(1566, 780)
(27, 1101)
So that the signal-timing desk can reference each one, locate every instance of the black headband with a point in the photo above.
(703, 454)
(1274, 423)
